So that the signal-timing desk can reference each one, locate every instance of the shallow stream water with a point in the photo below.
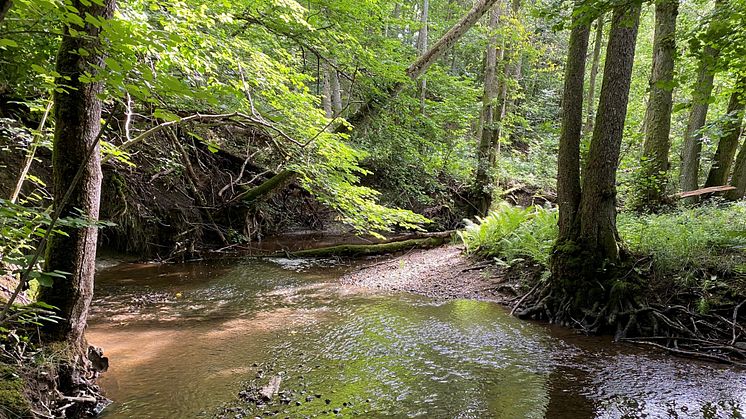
(182, 340)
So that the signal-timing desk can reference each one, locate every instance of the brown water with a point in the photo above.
(183, 338)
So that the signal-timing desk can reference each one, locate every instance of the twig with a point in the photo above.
(31, 153)
(735, 320)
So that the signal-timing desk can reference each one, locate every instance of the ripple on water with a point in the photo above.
(181, 340)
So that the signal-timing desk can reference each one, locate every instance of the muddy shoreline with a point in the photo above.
(442, 273)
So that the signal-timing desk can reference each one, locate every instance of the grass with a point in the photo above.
(701, 242)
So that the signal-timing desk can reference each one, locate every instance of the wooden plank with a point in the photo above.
(704, 191)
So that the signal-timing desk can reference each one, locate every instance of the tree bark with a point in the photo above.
(726, 150)
(657, 142)
(486, 131)
(568, 159)
(5, 6)
(512, 71)
(336, 91)
(739, 174)
(326, 93)
(422, 48)
(596, 62)
(417, 68)
(598, 232)
(78, 122)
(692, 147)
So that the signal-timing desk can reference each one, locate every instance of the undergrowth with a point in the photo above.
(513, 234)
(698, 243)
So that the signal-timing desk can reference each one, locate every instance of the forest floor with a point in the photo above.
(441, 273)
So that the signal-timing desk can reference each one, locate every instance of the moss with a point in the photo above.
(13, 402)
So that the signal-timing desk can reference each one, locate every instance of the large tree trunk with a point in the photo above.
(723, 160)
(486, 130)
(78, 122)
(568, 159)
(598, 231)
(658, 116)
(580, 286)
(692, 147)
(417, 68)
(590, 99)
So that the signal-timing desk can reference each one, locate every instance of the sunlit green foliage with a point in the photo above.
(707, 238)
(513, 234)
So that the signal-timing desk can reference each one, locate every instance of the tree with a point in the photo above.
(654, 164)
(422, 63)
(568, 159)
(594, 243)
(596, 62)
(692, 147)
(422, 48)
(486, 132)
(726, 150)
(78, 124)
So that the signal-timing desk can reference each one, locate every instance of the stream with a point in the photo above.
(184, 338)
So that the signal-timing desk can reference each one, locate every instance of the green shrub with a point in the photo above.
(513, 234)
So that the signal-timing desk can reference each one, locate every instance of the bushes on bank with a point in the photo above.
(706, 240)
(513, 234)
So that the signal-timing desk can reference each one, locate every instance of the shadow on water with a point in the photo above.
(183, 338)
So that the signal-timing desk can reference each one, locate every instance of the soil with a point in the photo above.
(441, 273)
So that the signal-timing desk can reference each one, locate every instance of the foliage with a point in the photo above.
(512, 234)
(689, 241)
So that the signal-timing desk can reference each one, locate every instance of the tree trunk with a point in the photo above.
(326, 93)
(658, 116)
(512, 69)
(598, 231)
(336, 91)
(422, 48)
(590, 99)
(486, 130)
(78, 122)
(692, 147)
(568, 159)
(5, 6)
(581, 278)
(739, 174)
(728, 143)
(417, 68)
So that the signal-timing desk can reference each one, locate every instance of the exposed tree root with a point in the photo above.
(717, 335)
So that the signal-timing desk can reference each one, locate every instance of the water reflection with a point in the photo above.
(183, 337)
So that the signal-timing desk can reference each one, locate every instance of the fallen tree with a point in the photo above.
(422, 241)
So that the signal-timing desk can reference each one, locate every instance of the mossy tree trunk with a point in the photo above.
(657, 143)
(578, 283)
(78, 122)
(486, 131)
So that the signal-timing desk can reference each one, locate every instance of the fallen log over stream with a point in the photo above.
(399, 243)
